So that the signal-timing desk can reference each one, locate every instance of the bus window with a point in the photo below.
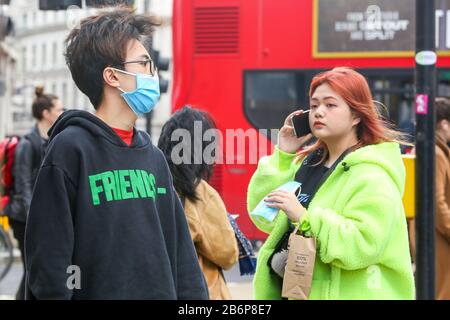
(395, 89)
(443, 85)
(269, 96)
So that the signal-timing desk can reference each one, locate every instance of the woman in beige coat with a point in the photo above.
(211, 231)
(213, 238)
(442, 199)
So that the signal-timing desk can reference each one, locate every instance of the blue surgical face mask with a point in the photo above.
(144, 98)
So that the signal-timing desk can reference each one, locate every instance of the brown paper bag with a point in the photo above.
(299, 268)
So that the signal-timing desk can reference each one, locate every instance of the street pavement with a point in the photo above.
(9, 285)
(240, 286)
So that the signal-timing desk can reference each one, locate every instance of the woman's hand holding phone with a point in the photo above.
(287, 140)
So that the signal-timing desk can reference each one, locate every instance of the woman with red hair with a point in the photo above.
(352, 182)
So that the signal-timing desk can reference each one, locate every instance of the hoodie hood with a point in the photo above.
(387, 155)
(95, 126)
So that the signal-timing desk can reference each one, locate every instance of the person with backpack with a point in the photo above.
(105, 221)
(46, 108)
(8, 147)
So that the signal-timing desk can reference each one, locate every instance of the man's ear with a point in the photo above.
(110, 77)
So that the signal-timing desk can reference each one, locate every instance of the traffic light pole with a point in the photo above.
(425, 148)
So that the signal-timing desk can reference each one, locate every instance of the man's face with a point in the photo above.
(138, 55)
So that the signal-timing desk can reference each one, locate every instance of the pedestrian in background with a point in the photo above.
(442, 199)
(352, 181)
(442, 217)
(105, 221)
(211, 231)
(46, 108)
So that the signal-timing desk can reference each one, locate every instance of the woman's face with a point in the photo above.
(444, 129)
(52, 115)
(330, 117)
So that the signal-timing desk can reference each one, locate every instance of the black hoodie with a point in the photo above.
(105, 221)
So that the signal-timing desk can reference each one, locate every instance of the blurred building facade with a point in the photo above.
(38, 41)
(8, 60)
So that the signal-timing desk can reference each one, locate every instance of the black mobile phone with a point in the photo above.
(301, 124)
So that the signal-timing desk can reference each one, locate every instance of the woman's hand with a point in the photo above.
(287, 140)
(286, 201)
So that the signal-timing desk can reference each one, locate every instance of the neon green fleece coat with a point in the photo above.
(358, 220)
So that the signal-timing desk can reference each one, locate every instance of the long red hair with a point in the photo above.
(354, 89)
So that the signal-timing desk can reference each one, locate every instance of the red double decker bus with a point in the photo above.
(249, 64)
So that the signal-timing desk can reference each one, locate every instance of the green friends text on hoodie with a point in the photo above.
(358, 220)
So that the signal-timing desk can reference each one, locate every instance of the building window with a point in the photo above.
(38, 18)
(60, 16)
(44, 54)
(271, 95)
(24, 59)
(33, 55)
(75, 94)
(33, 18)
(55, 53)
(146, 5)
(24, 20)
(16, 117)
(53, 89)
(48, 18)
(64, 96)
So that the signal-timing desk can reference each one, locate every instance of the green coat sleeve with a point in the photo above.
(356, 237)
(272, 172)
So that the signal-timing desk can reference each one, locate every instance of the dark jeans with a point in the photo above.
(19, 233)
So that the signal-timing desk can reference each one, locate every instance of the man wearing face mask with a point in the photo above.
(105, 221)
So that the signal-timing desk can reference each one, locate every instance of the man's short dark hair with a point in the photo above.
(442, 109)
(101, 41)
